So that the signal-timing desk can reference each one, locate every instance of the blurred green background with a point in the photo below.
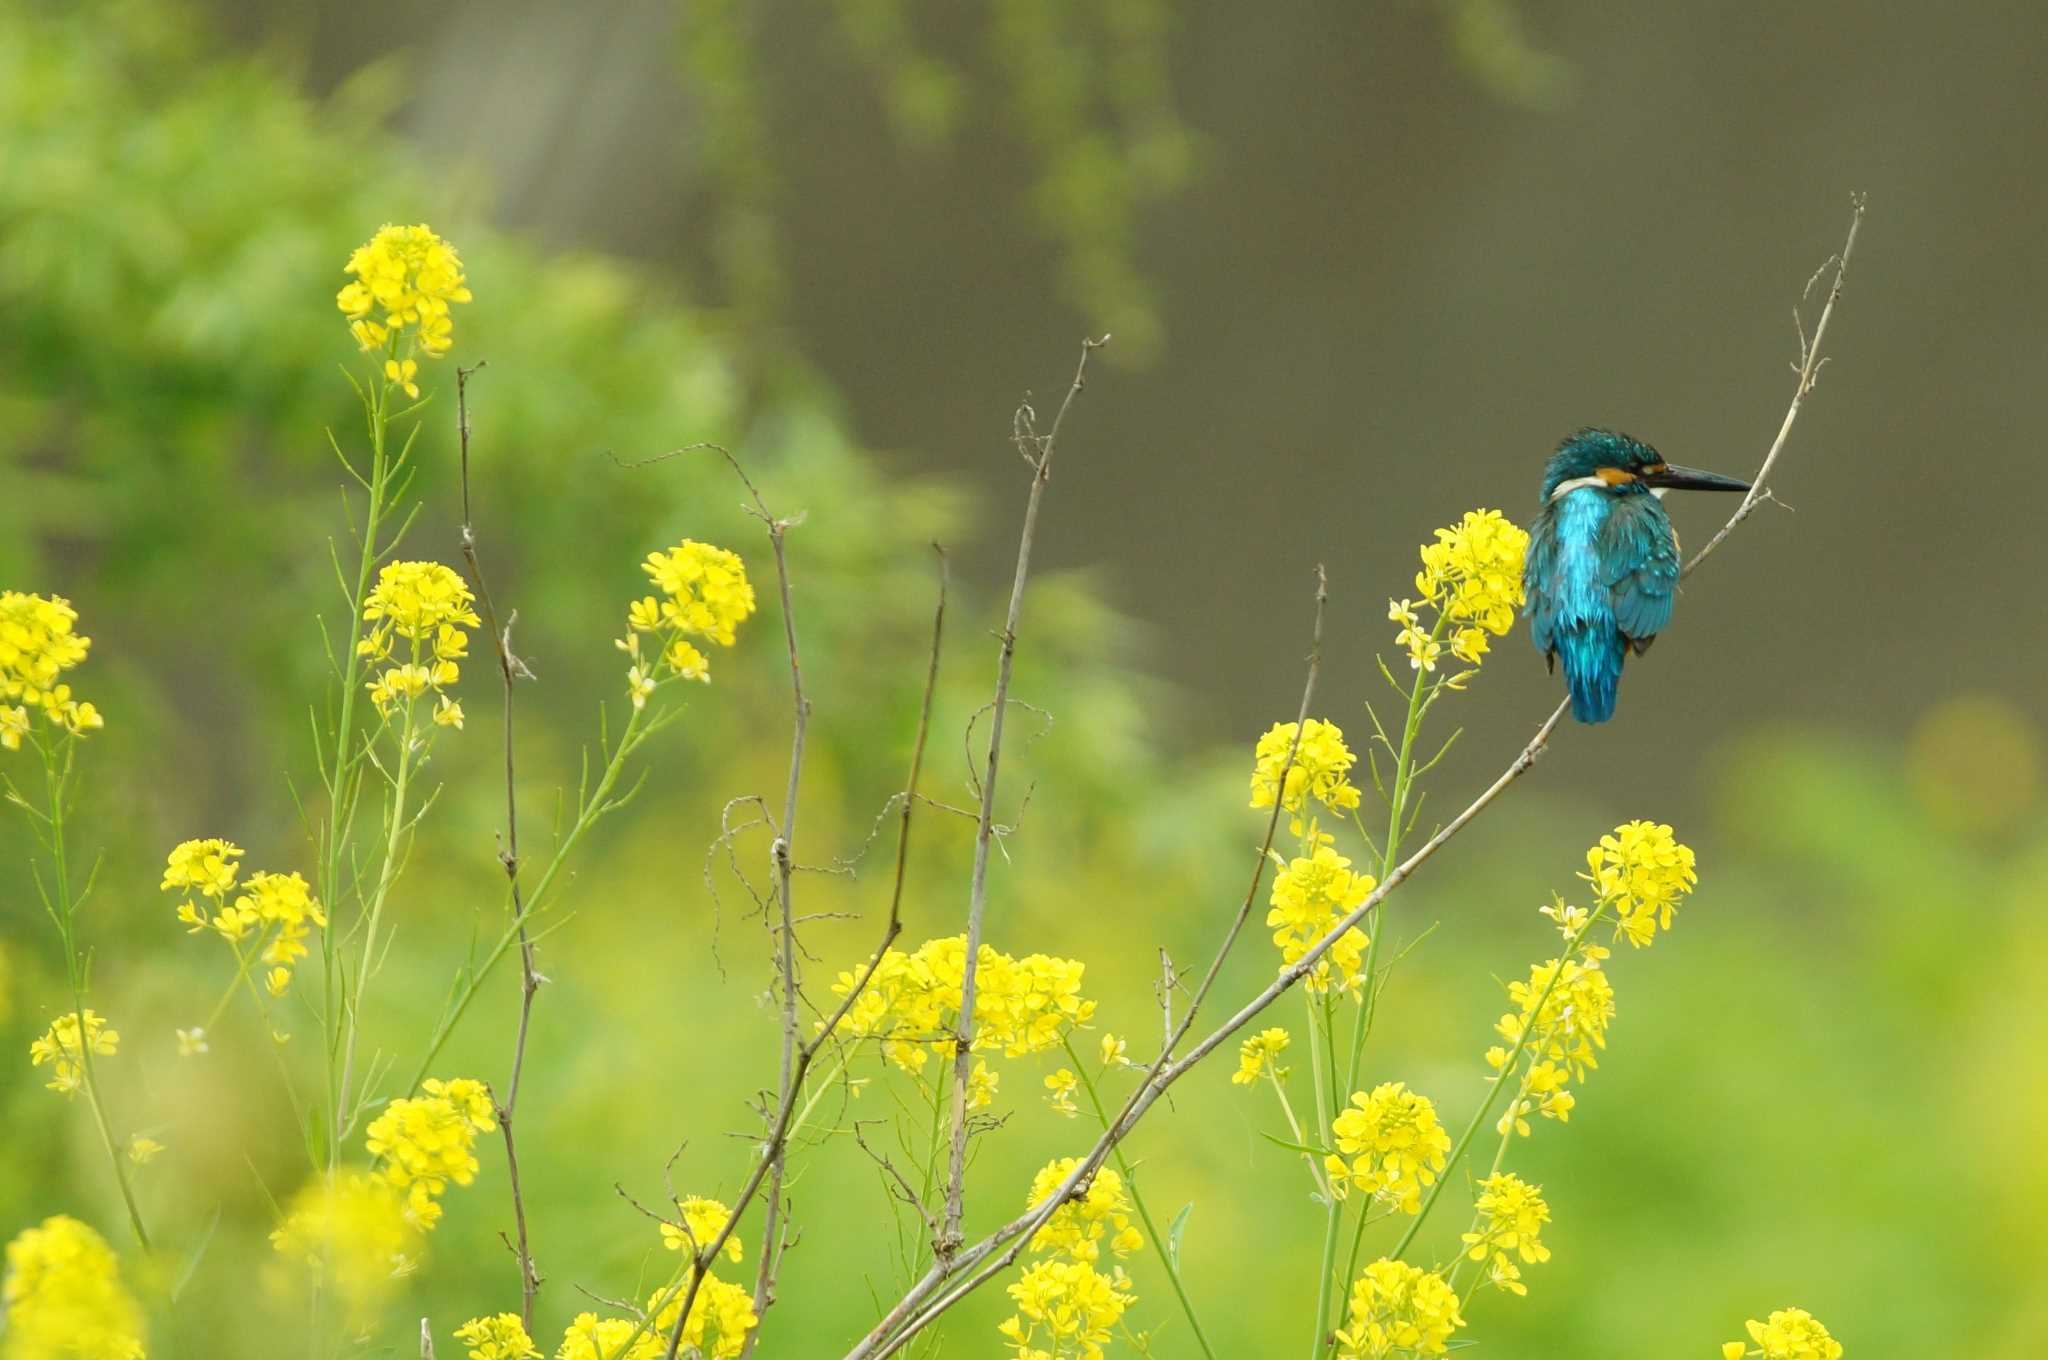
(844, 239)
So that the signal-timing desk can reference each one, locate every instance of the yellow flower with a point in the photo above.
(592, 1338)
(401, 374)
(1078, 1228)
(500, 1337)
(206, 866)
(1470, 645)
(142, 1151)
(912, 1003)
(424, 1142)
(707, 589)
(1397, 1308)
(1395, 1144)
(720, 1317)
(347, 1235)
(60, 1048)
(192, 1042)
(1571, 1026)
(448, 713)
(1514, 1212)
(703, 1220)
(1259, 1055)
(1113, 1052)
(1309, 896)
(1402, 612)
(1062, 1085)
(1321, 768)
(1544, 1094)
(1065, 1308)
(1473, 572)
(1791, 1334)
(425, 605)
(982, 1081)
(37, 645)
(63, 1298)
(1641, 873)
(410, 275)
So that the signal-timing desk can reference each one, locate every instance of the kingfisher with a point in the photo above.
(1602, 567)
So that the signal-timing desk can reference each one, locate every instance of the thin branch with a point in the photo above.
(993, 1254)
(1037, 451)
(510, 667)
(807, 1052)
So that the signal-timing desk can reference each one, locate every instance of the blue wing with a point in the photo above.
(1638, 552)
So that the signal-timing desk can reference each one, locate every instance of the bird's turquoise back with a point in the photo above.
(1600, 576)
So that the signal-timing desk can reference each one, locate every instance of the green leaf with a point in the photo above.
(1179, 1226)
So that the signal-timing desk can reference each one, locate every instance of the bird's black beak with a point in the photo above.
(1690, 479)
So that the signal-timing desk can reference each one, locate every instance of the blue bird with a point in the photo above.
(1603, 559)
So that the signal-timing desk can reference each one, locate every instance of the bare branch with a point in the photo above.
(1037, 451)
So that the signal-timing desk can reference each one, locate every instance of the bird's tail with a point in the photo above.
(1592, 670)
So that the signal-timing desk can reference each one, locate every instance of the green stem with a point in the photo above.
(340, 798)
(56, 781)
(594, 806)
(1523, 1047)
(1159, 1244)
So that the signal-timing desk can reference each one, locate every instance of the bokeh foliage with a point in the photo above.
(1826, 1088)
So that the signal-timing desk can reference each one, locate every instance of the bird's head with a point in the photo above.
(1615, 462)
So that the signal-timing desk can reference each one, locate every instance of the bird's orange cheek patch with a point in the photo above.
(1615, 476)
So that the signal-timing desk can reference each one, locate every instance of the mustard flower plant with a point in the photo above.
(1021, 1006)
(1260, 1055)
(1790, 1334)
(1394, 1145)
(424, 1142)
(1473, 572)
(1309, 896)
(1078, 1228)
(348, 1234)
(703, 1220)
(63, 1297)
(59, 1047)
(1398, 1309)
(1321, 769)
(1066, 1310)
(38, 643)
(1513, 1213)
(419, 611)
(498, 1337)
(397, 302)
(273, 916)
(590, 1337)
(720, 1318)
(1641, 873)
(704, 594)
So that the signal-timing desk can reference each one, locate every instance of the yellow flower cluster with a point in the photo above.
(429, 1140)
(1570, 1026)
(347, 1235)
(1641, 873)
(60, 1047)
(1791, 1334)
(720, 1317)
(703, 1220)
(1395, 1145)
(705, 594)
(408, 276)
(1514, 1212)
(1260, 1055)
(37, 645)
(499, 1337)
(1472, 577)
(427, 605)
(1321, 769)
(1309, 897)
(1067, 1309)
(1078, 1227)
(1473, 572)
(1021, 1006)
(1398, 1309)
(64, 1298)
(275, 911)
